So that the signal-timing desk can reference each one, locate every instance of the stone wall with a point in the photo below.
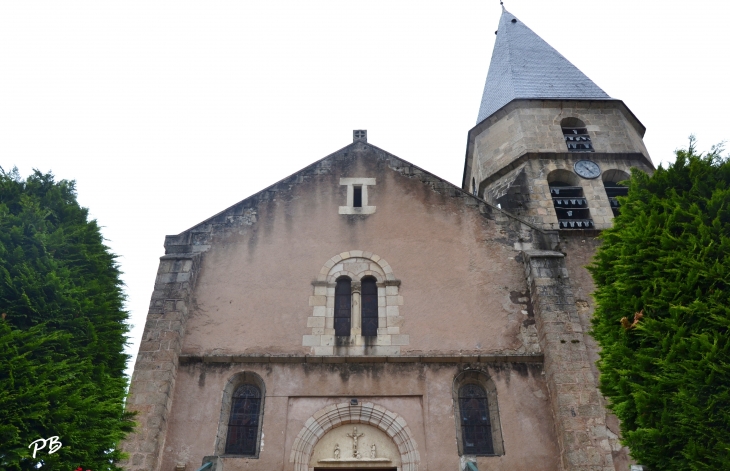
(525, 190)
(448, 285)
(304, 400)
(579, 250)
(155, 369)
(462, 286)
(578, 411)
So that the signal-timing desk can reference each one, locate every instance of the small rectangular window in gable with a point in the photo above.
(357, 196)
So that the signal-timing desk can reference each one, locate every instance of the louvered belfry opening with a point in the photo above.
(343, 306)
(613, 189)
(243, 425)
(571, 206)
(576, 135)
(369, 307)
(476, 428)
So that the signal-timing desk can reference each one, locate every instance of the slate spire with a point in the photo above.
(525, 66)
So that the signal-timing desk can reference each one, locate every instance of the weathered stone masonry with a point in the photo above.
(580, 419)
(155, 370)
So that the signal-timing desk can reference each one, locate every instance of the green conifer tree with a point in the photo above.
(667, 257)
(62, 331)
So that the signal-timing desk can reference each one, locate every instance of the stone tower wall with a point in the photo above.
(533, 126)
(525, 192)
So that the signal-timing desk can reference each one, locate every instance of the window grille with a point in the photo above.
(243, 425)
(476, 429)
(369, 307)
(577, 140)
(343, 306)
(571, 207)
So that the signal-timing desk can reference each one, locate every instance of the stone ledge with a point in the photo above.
(177, 256)
(518, 358)
(543, 254)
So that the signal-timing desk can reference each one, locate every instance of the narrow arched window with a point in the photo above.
(369, 307)
(343, 306)
(243, 424)
(576, 135)
(476, 428)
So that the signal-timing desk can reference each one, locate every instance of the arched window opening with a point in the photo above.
(476, 428)
(576, 135)
(343, 306)
(369, 307)
(571, 207)
(611, 179)
(243, 424)
(614, 189)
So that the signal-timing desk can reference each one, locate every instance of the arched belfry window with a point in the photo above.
(576, 135)
(611, 182)
(343, 306)
(476, 429)
(369, 307)
(571, 206)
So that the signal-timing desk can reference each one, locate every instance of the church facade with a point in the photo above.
(364, 313)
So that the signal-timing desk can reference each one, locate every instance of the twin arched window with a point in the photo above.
(343, 306)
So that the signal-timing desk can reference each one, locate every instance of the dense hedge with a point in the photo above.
(62, 331)
(667, 374)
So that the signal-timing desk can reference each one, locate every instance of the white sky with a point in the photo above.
(165, 113)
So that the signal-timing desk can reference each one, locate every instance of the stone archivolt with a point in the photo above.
(381, 426)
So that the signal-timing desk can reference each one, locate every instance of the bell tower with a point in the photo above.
(549, 144)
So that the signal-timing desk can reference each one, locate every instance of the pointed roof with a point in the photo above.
(525, 66)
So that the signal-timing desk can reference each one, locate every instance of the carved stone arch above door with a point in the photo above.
(335, 416)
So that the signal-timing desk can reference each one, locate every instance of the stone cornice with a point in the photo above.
(487, 358)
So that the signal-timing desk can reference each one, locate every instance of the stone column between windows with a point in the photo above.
(356, 311)
(580, 419)
(155, 370)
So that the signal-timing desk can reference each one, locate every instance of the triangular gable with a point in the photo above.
(196, 238)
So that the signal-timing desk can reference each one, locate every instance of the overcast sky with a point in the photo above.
(165, 113)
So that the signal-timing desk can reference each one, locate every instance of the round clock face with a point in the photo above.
(587, 169)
